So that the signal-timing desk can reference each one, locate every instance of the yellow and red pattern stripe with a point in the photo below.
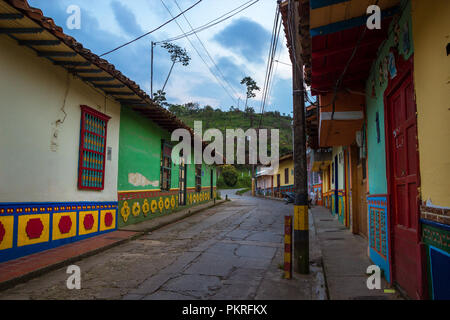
(87, 222)
(6, 232)
(64, 225)
(33, 229)
(107, 220)
(287, 247)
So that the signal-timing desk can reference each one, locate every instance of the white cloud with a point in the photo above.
(185, 82)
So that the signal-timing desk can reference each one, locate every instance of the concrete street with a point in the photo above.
(232, 251)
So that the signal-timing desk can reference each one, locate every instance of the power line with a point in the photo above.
(290, 34)
(198, 53)
(213, 22)
(269, 69)
(146, 34)
(274, 75)
(287, 64)
(207, 52)
(271, 81)
(270, 77)
(268, 59)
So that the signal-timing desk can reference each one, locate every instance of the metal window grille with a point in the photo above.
(93, 133)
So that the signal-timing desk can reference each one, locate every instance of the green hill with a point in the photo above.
(234, 119)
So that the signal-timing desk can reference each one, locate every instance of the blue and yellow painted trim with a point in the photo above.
(29, 228)
(349, 24)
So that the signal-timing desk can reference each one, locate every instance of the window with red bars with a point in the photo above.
(91, 167)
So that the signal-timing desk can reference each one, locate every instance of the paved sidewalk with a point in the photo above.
(28, 267)
(345, 260)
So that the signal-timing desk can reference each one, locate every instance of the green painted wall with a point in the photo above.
(139, 150)
(140, 154)
(376, 150)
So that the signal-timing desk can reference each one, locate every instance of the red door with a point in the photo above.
(404, 183)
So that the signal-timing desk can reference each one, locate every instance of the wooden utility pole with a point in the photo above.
(301, 221)
(151, 77)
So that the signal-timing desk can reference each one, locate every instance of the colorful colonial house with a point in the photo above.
(75, 135)
(150, 183)
(264, 181)
(318, 162)
(284, 177)
(275, 183)
(387, 124)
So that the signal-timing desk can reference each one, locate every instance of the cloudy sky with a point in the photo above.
(239, 46)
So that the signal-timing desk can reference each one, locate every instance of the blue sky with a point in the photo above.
(239, 46)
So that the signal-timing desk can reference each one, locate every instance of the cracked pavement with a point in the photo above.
(231, 252)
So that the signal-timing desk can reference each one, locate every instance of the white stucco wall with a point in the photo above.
(32, 92)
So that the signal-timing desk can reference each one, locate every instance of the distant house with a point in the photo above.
(275, 183)
(84, 150)
(264, 181)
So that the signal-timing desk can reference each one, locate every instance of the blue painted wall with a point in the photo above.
(375, 103)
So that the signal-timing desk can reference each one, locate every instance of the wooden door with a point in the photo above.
(279, 185)
(403, 182)
(182, 185)
(212, 184)
(359, 190)
(336, 185)
(362, 202)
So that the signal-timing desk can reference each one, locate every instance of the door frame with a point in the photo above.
(183, 167)
(336, 184)
(405, 68)
(354, 189)
(212, 184)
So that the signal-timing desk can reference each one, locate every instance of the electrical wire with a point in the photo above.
(270, 60)
(207, 52)
(287, 64)
(198, 53)
(212, 23)
(270, 77)
(150, 32)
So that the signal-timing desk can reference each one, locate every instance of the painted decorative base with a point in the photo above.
(378, 232)
(436, 237)
(139, 206)
(27, 228)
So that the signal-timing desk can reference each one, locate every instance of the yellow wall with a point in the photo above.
(283, 165)
(326, 176)
(431, 33)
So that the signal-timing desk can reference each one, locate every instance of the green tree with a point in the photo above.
(160, 98)
(251, 88)
(230, 175)
(177, 54)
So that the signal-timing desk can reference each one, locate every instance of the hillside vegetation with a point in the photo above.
(236, 119)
